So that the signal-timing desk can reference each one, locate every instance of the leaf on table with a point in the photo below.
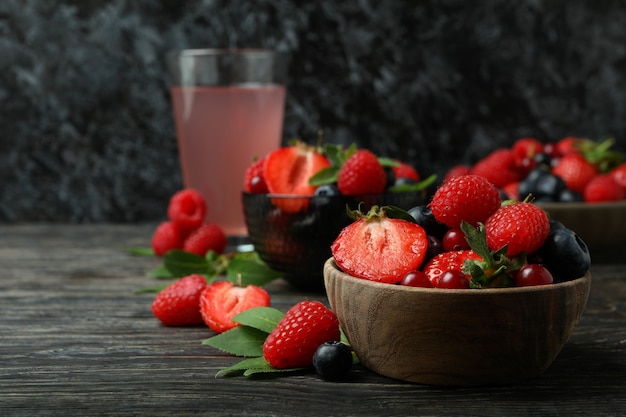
(252, 366)
(240, 341)
(181, 263)
(244, 270)
(261, 318)
(140, 251)
(160, 272)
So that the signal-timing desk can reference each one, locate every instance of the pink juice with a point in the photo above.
(220, 131)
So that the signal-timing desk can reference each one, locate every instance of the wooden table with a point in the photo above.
(76, 340)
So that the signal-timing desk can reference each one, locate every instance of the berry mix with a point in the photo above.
(475, 232)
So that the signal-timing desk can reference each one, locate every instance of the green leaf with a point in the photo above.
(249, 271)
(160, 272)
(388, 162)
(181, 263)
(140, 251)
(326, 175)
(150, 290)
(394, 212)
(477, 239)
(239, 341)
(252, 366)
(261, 318)
(419, 186)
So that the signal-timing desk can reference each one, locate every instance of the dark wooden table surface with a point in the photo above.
(76, 340)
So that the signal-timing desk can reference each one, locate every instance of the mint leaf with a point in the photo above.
(181, 263)
(253, 366)
(419, 186)
(244, 270)
(261, 318)
(239, 341)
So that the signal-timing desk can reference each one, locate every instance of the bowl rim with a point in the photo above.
(606, 205)
(330, 263)
(354, 196)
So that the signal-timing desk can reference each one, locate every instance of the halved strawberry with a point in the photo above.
(448, 261)
(222, 300)
(287, 170)
(380, 248)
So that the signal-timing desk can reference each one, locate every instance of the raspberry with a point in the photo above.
(469, 197)
(362, 174)
(208, 237)
(178, 304)
(254, 181)
(299, 333)
(165, 238)
(187, 209)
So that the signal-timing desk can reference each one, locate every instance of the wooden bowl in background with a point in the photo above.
(455, 337)
(599, 224)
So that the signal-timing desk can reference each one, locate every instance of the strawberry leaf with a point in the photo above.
(244, 270)
(251, 366)
(419, 186)
(388, 162)
(261, 318)
(394, 212)
(140, 251)
(326, 175)
(239, 341)
(181, 263)
(160, 272)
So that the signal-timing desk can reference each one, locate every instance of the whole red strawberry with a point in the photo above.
(499, 167)
(362, 173)
(576, 171)
(186, 210)
(254, 180)
(603, 188)
(305, 327)
(222, 300)
(448, 261)
(208, 237)
(380, 248)
(166, 237)
(469, 197)
(619, 174)
(287, 170)
(523, 227)
(178, 304)
(404, 170)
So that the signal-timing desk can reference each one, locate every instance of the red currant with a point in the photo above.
(454, 239)
(453, 280)
(533, 274)
(416, 279)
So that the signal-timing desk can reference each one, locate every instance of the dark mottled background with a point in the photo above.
(86, 132)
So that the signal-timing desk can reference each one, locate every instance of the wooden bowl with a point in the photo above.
(598, 224)
(455, 337)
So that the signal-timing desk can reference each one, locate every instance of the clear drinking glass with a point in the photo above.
(228, 108)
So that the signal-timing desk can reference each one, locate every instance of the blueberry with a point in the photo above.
(327, 190)
(424, 217)
(569, 196)
(404, 181)
(543, 159)
(332, 360)
(529, 184)
(564, 253)
(550, 186)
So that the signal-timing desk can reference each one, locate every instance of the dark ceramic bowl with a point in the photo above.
(298, 243)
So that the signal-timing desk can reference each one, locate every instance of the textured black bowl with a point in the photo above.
(298, 244)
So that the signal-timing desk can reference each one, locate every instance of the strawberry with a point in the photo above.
(404, 170)
(287, 170)
(296, 337)
(568, 145)
(186, 210)
(361, 173)
(511, 190)
(254, 180)
(178, 304)
(619, 174)
(457, 171)
(603, 188)
(499, 167)
(523, 227)
(575, 170)
(222, 300)
(524, 148)
(380, 248)
(448, 261)
(166, 237)
(469, 197)
(208, 237)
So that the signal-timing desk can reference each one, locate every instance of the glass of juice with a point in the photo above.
(228, 107)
